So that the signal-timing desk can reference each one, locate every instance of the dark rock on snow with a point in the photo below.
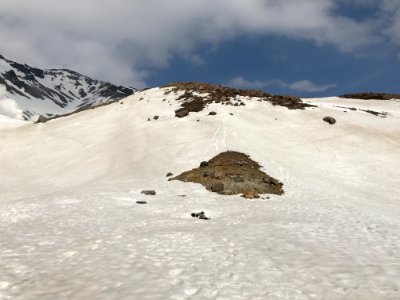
(41, 119)
(181, 113)
(148, 192)
(201, 215)
(330, 120)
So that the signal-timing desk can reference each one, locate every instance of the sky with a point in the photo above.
(303, 47)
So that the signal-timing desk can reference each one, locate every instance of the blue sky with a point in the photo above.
(302, 47)
(272, 58)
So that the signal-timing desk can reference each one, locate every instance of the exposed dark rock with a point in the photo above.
(204, 164)
(210, 93)
(291, 102)
(181, 113)
(270, 180)
(212, 113)
(372, 96)
(148, 192)
(201, 215)
(155, 117)
(267, 179)
(42, 119)
(169, 174)
(376, 113)
(330, 120)
(274, 181)
(141, 202)
(382, 114)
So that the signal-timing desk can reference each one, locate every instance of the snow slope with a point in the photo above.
(27, 92)
(71, 228)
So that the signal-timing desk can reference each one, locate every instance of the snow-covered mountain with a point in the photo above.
(27, 92)
(71, 227)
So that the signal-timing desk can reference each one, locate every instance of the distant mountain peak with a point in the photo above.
(50, 92)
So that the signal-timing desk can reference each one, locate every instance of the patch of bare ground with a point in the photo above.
(231, 173)
(382, 114)
(372, 96)
(197, 95)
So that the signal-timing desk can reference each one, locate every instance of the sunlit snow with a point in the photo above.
(71, 228)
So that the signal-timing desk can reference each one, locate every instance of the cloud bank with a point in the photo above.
(298, 86)
(122, 40)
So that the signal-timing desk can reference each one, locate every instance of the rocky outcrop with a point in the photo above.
(197, 95)
(372, 96)
(231, 173)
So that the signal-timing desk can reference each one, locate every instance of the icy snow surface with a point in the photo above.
(70, 227)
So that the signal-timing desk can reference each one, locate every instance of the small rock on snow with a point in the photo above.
(148, 192)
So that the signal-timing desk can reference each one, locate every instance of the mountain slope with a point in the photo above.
(72, 227)
(27, 92)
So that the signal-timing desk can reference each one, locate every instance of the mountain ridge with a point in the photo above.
(32, 91)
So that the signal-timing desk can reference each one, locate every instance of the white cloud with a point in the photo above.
(298, 86)
(122, 40)
(308, 86)
(392, 14)
(240, 82)
(9, 108)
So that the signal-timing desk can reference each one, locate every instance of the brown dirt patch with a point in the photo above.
(225, 95)
(231, 173)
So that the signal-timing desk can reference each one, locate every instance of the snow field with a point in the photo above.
(71, 228)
